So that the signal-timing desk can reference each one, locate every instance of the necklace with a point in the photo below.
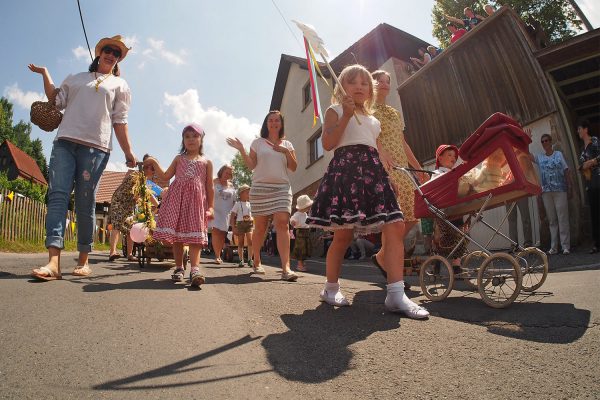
(100, 80)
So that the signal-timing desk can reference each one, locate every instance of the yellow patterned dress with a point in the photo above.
(392, 140)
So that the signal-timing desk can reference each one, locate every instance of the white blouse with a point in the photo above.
(89, 114)
(366, 133)
(271, 165)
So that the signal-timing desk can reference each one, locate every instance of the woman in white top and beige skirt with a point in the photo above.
(270, 159)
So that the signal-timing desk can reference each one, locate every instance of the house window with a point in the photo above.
(316, 147)
(306, 96)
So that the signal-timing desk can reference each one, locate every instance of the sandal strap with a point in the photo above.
(48, 271)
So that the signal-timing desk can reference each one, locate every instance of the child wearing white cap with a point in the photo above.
(302, 248)
(241, 215)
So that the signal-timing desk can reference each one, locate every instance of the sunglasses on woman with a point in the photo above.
(112, 50)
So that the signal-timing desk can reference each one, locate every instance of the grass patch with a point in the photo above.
(39, 247)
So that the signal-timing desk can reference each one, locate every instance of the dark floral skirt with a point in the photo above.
(355, 193)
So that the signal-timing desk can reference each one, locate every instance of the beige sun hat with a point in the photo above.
(242, 189)
(303, 202)
(116, 41)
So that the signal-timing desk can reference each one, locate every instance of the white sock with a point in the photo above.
(395, 287)
(332, 287)
(398, 297)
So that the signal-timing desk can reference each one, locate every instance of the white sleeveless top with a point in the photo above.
(366, 133)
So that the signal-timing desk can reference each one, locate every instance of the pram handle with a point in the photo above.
(413, 170)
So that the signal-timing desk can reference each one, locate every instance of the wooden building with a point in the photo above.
(497, 67)
(19, 165)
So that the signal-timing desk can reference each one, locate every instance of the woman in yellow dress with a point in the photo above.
(394, 143)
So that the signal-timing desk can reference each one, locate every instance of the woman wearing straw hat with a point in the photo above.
(94, 103)
(271, 158)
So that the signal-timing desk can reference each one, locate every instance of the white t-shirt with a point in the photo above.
(89, 114)
(366, 133)
(242, 211)
(300, 218)
(271, 165)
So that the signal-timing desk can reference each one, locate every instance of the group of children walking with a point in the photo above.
(355, 195)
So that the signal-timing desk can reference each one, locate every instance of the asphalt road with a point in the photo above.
(126, 333)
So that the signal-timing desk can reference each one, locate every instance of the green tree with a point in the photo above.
(241, 174)
(557, 17)
(20, 135)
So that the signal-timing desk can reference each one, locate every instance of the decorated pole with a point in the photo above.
(318, 45)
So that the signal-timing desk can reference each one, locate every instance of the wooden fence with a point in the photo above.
(23, 219)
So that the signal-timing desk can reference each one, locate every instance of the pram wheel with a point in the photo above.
(499, 280)
(535, 269)
(471, 264)
(436, 278)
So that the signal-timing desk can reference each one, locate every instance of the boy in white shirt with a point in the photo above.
(302, 248)
(243, 223)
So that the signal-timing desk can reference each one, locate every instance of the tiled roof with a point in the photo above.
(109, 182)
(28, 168)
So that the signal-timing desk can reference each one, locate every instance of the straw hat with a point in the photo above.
(116, 41)
(303, 202)
(242, 189)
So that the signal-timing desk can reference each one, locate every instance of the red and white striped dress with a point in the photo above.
(182, 214)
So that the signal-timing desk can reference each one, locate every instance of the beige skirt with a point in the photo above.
(270, 198)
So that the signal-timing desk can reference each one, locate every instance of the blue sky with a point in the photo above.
(211, 62)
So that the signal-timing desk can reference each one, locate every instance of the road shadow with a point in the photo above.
(134, 382)
(92, 286)
(239, 279)
(525, 319)
(316, 347)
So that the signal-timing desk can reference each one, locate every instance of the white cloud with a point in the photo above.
(131, 42)
(116, 166)
(81, 53)
(158, 50)
(217, 124)
(20, 98)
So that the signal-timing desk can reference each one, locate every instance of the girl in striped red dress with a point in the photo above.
(188, 204)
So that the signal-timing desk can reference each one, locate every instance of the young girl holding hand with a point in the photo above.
(355, 193)
(185, 210)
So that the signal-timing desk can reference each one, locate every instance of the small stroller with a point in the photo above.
(496, 171)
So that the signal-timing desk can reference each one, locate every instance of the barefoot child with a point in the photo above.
(355, 193)
(302, 249)
(188, 204)
(241, 216)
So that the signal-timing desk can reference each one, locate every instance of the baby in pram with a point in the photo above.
(445, 238)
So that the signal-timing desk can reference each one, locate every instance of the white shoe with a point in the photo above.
(396, 305)
(566, 252)
(552, 252)
(289, 276)
(258, 270)
(334, 298)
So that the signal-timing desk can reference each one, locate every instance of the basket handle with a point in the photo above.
(52, 98)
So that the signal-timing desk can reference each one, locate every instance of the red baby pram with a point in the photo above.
(496, 170)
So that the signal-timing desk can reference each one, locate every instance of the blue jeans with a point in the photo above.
(73, 165)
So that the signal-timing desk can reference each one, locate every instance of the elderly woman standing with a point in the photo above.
(95, 102)
(270, 159)
(393, 142)
(224, 201)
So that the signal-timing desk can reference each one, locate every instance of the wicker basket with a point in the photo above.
(45, 115)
